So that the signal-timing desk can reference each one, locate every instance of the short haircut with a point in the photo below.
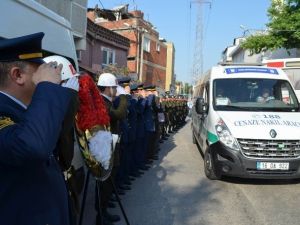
(5, 68)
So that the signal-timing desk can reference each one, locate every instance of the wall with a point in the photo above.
(97, 38)
(154, 76)
(151, 66)
(75, 12)
(170, 65)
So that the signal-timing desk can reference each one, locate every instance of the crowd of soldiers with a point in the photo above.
(145, 119)
(57, 127)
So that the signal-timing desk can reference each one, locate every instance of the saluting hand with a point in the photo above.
(48, 72)
(71, 83)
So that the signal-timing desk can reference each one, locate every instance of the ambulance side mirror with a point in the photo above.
(201, 106)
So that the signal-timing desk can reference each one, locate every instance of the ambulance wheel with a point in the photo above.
(209, 168)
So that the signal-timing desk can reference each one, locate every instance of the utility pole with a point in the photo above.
(197, 69)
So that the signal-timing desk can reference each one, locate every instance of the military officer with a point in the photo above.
(73, 172)
(140, 147)
(150, 125)
(32, 109)
(126, 140)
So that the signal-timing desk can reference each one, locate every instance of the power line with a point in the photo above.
(101, 4)
(208, 19)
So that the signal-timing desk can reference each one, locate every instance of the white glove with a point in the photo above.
(71, 83)
(121, 91)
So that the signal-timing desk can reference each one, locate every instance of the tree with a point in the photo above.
(187, 88)
(283, 28)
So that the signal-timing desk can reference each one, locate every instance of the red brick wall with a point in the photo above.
(154, 76)
(151, 74)
(157, 57)
(91, 15)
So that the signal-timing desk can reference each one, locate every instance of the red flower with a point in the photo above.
(92, 110)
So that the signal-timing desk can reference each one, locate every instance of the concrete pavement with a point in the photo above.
(175, 191)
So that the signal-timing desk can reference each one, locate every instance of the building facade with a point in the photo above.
(236, 54)
(147, 56)
(104, 48)
(170, 81)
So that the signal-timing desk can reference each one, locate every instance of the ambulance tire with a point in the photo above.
(209, 167)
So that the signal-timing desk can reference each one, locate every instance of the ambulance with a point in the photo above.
(246, 121)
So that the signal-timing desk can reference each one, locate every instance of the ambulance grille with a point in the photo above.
(259, 148)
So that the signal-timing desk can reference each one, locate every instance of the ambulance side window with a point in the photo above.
(206, 94)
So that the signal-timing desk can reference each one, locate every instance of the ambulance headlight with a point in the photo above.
(225, 136)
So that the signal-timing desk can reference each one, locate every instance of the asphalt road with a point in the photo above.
(175, 191)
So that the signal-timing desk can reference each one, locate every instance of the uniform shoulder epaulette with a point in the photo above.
(5, 121)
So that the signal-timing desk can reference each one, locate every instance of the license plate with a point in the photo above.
(272, 166)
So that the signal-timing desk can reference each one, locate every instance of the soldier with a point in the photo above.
(150, 125)
(138, 93)
(156, 110)
(73, 172)
(108, 87)
(32, 108)
(126, 142)
(163, 118)
(132, 121)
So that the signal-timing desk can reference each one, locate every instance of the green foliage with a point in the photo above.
(283, 28)
(115, 69)
(187, 89)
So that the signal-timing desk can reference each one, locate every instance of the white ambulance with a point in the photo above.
(246, 121)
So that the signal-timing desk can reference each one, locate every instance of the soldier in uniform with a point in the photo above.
(140, 149)
(73, 172)
(163, 122)
(32, 108)
(126, 142)
(108, 87)
(150, 125)
(132, 122)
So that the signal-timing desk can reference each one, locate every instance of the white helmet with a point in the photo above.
(67, 71)
(107, 80)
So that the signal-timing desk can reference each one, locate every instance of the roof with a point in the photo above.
(241, 71)
(100, 33)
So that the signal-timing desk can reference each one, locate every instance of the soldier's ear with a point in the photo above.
(16, 75)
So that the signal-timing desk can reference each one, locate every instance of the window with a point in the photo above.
(131, 58)
(108, 56)
(146, 46)
(157, 47)
(254, 94)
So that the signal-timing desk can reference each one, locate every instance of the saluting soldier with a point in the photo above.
(126, 140)
(32, 108)
(108, 87)
(140, 147)
(68, 158)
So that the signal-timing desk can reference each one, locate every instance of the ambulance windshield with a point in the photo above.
(248, 94)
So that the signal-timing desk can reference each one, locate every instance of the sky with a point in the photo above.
(176, 22)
